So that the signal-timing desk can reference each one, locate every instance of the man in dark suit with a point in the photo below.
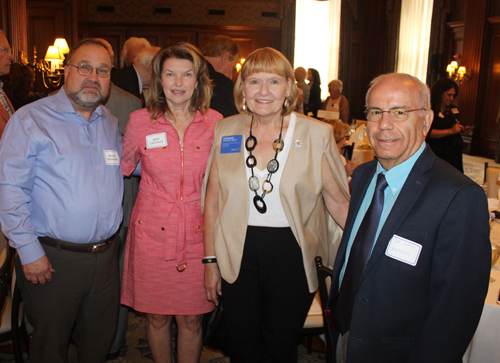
(412, 289)
(136, 77)
(222, 54)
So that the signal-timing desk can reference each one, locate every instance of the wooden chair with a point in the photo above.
(347, 151)
(12, 325)
(315, 323)
(324, 279)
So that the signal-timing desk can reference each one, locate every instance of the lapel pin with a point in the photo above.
(298, 143)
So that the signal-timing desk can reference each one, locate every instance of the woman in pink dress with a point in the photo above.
(172, 137)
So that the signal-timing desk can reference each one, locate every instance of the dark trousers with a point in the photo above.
(265, 308)
(121, 327)
(84, 294)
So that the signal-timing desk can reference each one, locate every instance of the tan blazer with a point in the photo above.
(4, 116)
(300, 192)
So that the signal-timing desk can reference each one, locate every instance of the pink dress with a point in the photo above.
(163, 273)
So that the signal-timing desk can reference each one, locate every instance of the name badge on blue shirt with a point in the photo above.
(231, 144)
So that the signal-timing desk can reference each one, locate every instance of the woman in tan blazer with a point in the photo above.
(274, 182)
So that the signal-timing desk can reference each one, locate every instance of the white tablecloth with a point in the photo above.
(363, 155)
(485, 345)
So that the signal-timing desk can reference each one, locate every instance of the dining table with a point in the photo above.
(485, 345)
(363, 150)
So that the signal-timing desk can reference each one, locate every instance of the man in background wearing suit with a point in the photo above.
(222, 54)
(412, 270)
(6, 59)
(137, 77)
(121, 103)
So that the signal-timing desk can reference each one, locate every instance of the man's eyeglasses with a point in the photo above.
(397, 114)
(86, 70)
(5, 50)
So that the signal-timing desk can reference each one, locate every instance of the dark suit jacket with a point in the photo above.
(121, 104)
(223, 97)
(127, 79)
(314, 99)
(428, 312)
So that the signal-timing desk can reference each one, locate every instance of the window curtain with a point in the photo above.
(317, 34)
(414, 36)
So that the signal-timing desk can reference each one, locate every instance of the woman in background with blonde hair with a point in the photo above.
(275, 178)
(337, 102)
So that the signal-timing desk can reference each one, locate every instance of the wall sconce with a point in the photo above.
(55, 57)
(457, 73)
(51, 67)
(451, 69)
(62, 45)
(240, 64)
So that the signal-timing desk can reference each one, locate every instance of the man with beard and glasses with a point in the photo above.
(61, 190)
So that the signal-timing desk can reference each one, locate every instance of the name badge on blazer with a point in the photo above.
(403, 250)
(231, 144)
(156, 140)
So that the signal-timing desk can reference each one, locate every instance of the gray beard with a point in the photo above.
(87, 99)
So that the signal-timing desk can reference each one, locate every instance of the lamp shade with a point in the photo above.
(62, 44)
(53, 54)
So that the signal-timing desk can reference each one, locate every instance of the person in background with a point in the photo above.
(412, 270)
(163, 274)
(222, 54)
(315, 93)
(299, 107)
(6, 59)
(121, 103)
(341, 134)
(445, 137)
(273, 181)
(300, 77)
(61, 191)
(337, 102)
(137, 77)
(18, 85)
(132, 47)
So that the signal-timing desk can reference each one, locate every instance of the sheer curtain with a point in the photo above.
(317, 34)
(414, 35)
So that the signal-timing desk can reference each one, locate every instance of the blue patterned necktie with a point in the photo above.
(358, 257)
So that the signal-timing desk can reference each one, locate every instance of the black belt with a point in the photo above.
(97, 247)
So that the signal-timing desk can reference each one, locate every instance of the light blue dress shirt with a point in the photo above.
(60, 176)
(396, 178)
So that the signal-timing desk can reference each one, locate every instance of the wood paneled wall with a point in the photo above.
(248, 38)
(487, 110)
(368, 46)
(368, 43)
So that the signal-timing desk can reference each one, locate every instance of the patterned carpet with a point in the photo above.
(136, 349)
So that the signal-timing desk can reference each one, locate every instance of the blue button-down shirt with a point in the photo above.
(59, 176)
(396, 178)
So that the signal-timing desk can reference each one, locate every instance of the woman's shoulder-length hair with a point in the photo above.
(157, 103)
(266, 60)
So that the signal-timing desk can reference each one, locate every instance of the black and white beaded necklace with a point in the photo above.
(272, 167)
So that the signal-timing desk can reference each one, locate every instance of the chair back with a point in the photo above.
(6, 258)
(324, 280)
(347, 151)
